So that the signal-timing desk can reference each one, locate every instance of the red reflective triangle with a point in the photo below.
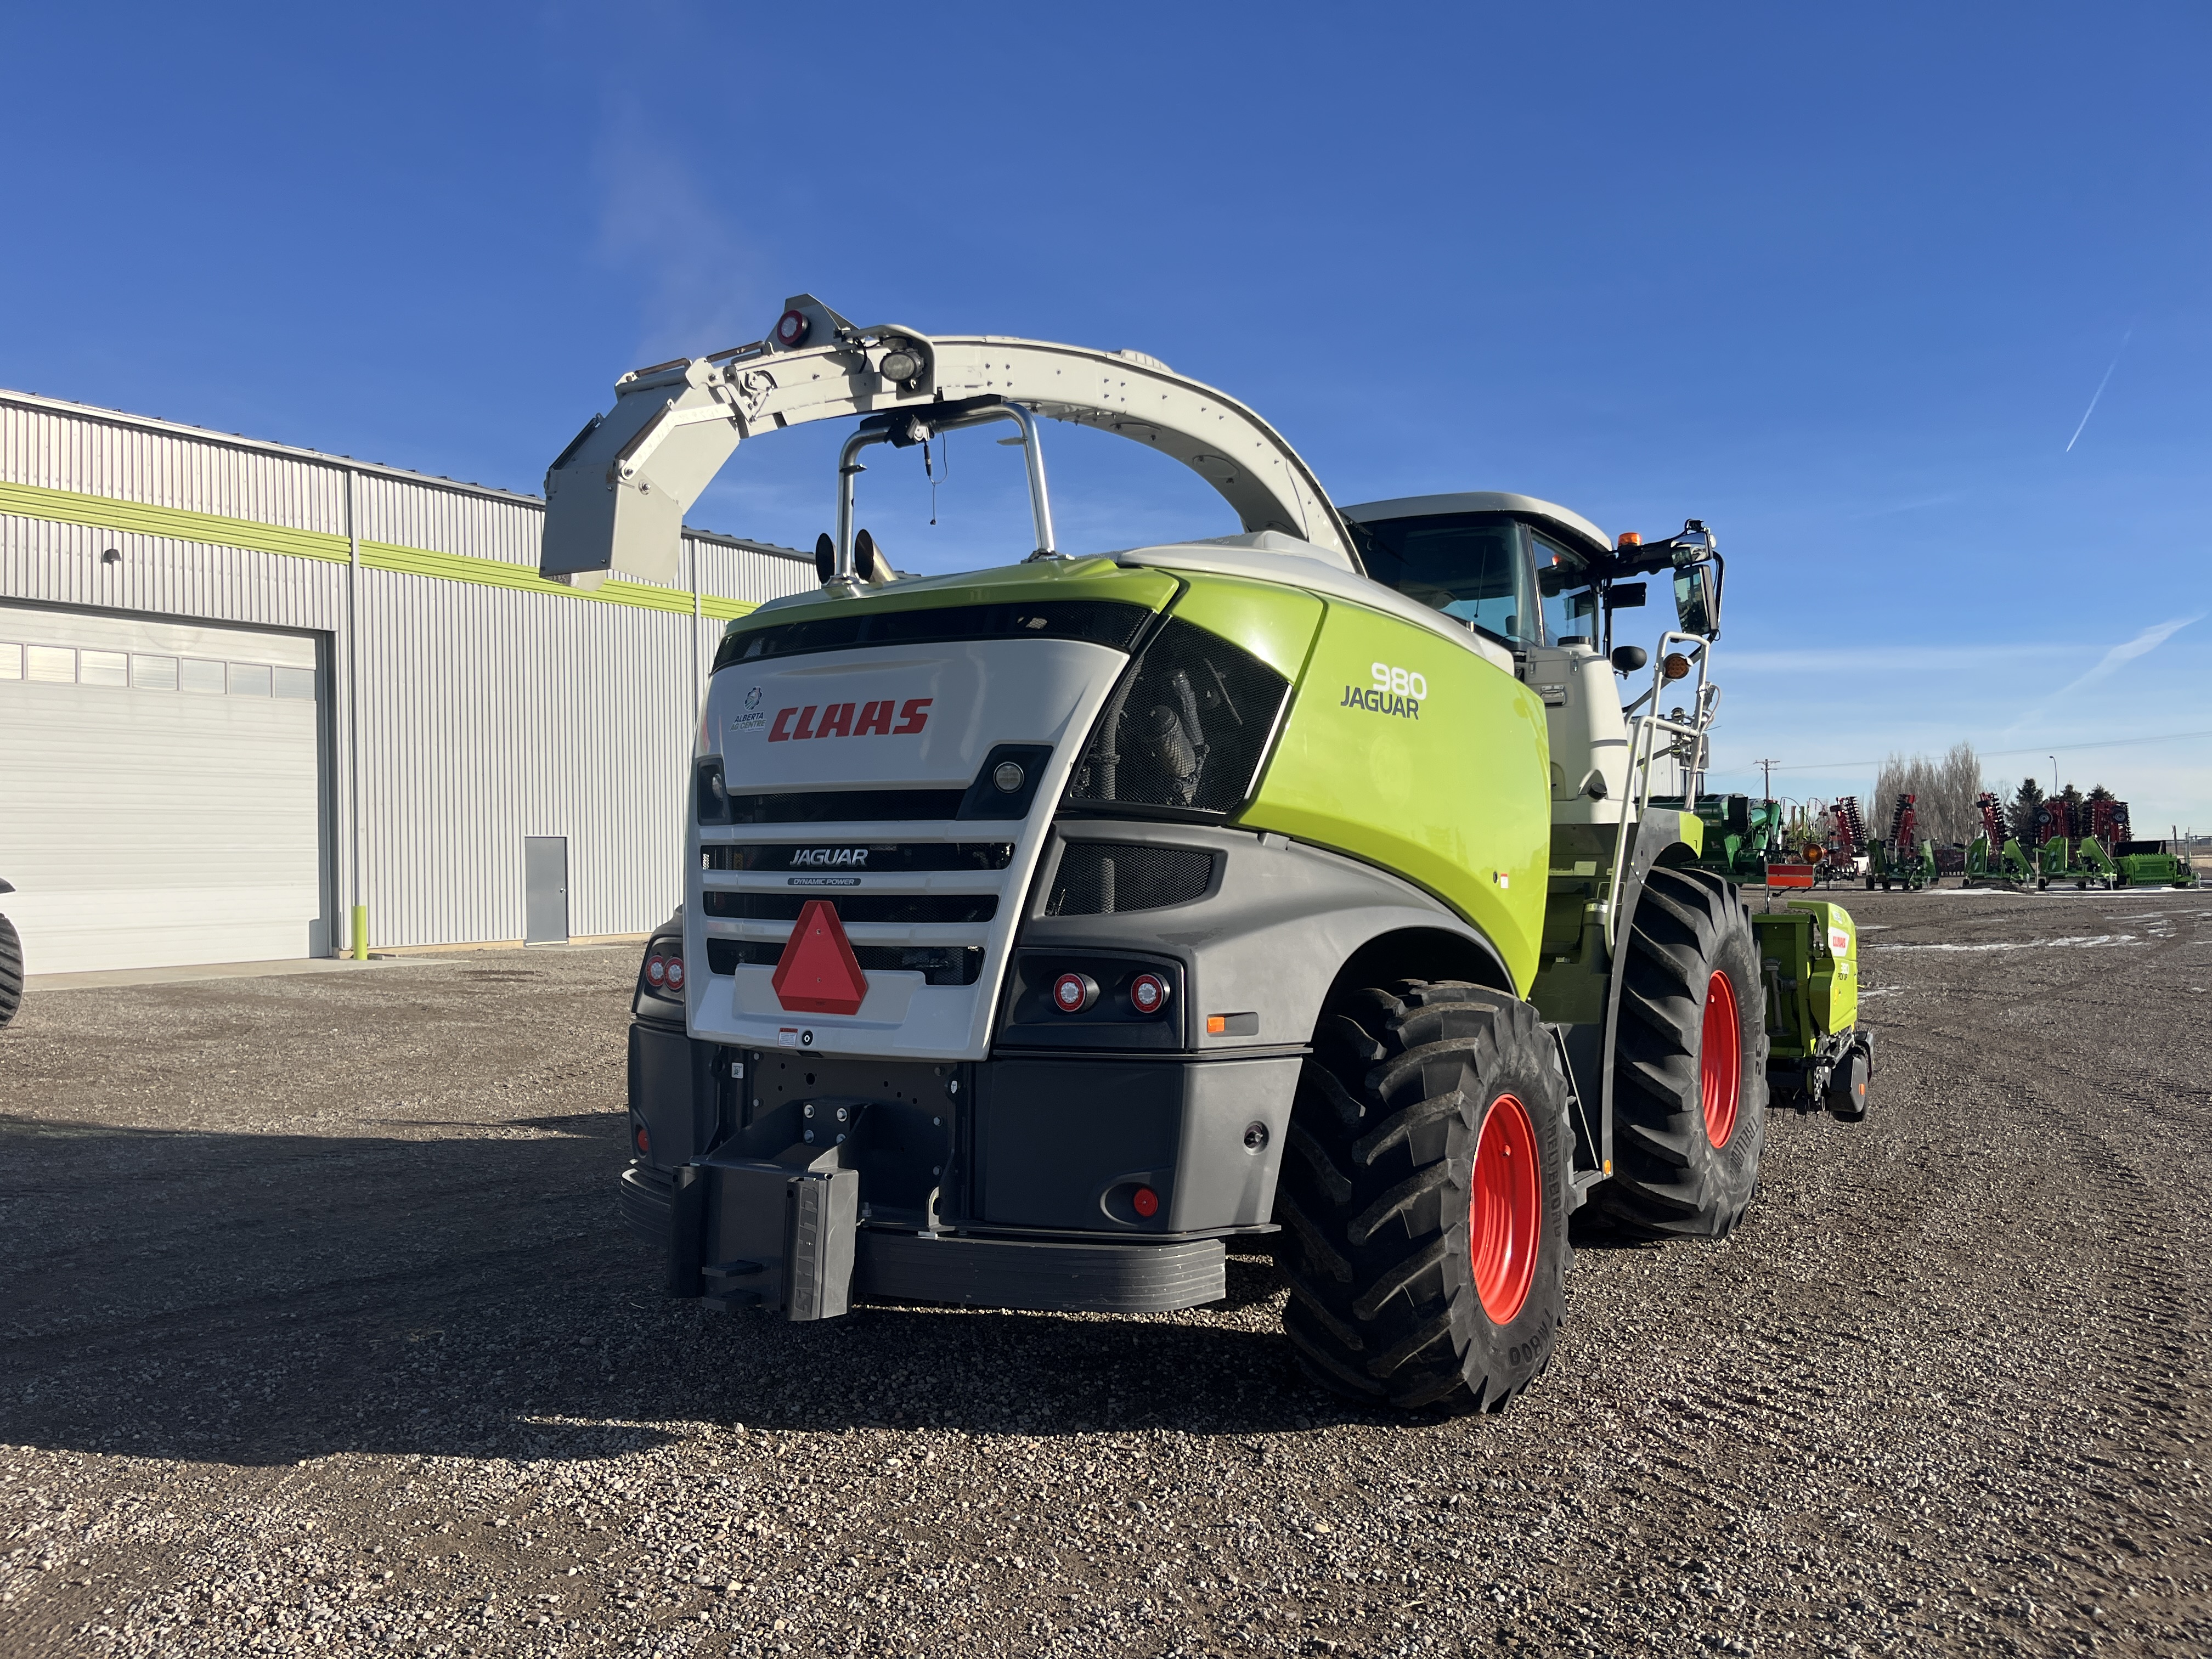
(817, 973)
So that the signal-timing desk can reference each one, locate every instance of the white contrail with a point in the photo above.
(2128, 650)
(2101, 384)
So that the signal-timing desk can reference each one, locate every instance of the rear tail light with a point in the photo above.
(1145, 1202)
(1071, 993)
(1148, 994)
(644, 1141)
(662, 975)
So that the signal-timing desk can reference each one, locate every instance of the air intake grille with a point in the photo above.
(846, 806)
(1186, 729)
(1100, 622)
(1104, 878)
(938, 964)
(856, 907)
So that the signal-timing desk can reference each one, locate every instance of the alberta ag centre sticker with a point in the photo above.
(752, 716)
(1396, 691)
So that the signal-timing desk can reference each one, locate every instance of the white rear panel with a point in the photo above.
(927, 715)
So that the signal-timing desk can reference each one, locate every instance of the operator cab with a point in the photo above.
(1528, 573)
(1510, 567)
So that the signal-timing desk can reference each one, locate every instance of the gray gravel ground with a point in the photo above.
(319, 1334)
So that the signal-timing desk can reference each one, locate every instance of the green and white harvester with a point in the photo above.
(1050, 930)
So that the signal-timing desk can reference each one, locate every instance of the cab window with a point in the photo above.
(1473, 566)
(1569, 601)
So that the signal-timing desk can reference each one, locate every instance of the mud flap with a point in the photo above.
(774, 1235)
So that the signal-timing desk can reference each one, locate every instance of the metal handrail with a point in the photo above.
(848, 469)
(1643, 749)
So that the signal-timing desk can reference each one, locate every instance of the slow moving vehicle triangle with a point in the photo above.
(817, 973)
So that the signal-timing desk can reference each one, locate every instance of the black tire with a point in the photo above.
(1670, 1178)
(1847, 1087)
(11, 971)
(1374, 1197)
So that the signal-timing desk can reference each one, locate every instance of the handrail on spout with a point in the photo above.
(919, 429)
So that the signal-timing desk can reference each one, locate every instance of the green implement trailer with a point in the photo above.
(1900, 861)
(2153, 864)
(1049, 929)
(1995, 858)
(1742, 835)
(1809, 951)
(2010, 868)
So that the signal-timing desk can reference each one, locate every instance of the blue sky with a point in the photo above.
(1842, 283)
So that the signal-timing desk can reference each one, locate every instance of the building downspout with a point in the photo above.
(359, 929)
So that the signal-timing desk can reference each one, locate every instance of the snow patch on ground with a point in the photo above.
(2083, 941)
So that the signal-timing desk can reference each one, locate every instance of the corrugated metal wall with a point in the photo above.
(487, 714)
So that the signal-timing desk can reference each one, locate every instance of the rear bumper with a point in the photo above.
(1037, 1276)
(1033, 1275)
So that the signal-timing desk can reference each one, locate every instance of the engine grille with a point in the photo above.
(938, 964)
(1185, 730)
(847, 806)
(1099, 621)
(856, 907)
(871, 857)
(1104, 877)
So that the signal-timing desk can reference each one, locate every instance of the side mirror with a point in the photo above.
(1627, 659)
(1693, 601)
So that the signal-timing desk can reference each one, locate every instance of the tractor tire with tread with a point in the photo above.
(1424, 1197)
(11, 971)
(1689, 1125)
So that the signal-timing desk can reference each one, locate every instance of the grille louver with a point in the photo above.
(1103, 878)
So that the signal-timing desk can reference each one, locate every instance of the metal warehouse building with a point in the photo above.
(245, 688)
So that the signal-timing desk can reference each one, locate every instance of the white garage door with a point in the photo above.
(159, 791)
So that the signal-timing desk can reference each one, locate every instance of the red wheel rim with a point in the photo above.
(1720, 1060)
(1504, 1210)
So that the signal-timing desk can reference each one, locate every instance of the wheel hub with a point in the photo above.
(1720, 1060)
(1505, 1209)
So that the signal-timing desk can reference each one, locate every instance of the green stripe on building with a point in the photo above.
(68, 507)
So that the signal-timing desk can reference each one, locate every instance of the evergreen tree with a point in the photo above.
(2024, 801)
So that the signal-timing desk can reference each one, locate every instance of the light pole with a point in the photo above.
(2054, 777)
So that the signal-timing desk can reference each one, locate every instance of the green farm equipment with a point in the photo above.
(1835, 854)
(1816, 1056)
(2153, 864)
(1996, 858)
(1047, 928)
(1899, 860)
(1741, 834)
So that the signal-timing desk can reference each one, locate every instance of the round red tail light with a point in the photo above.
(656, 971)
(792, 328)
(1073, 993)
(1148, 994)
(675, 973)
(1145, 1202)
(644, 1140)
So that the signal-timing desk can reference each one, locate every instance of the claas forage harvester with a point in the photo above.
(1050, 929)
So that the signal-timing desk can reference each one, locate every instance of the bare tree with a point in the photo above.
(1944, 791)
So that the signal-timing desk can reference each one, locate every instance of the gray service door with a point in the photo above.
(545, 890)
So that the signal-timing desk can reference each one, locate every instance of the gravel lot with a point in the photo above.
(319, 1334)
